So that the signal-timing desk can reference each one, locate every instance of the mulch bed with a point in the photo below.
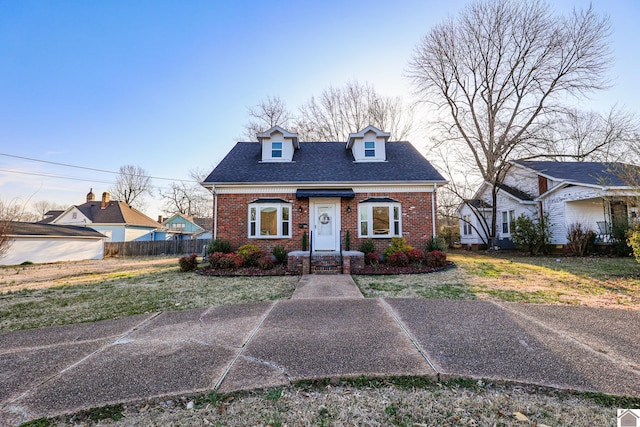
(386, 269)
(368, 270)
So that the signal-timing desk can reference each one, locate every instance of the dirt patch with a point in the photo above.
(40, 276)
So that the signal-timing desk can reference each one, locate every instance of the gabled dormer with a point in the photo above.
(369, 145)
(278, 145)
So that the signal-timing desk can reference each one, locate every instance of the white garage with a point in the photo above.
(42, 243)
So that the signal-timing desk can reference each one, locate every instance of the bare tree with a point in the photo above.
(41, 207)
(495, 72)
(9, 213)
(132, 184)
(188, 198)
(591, 136)
(268, 113)
(337, 112)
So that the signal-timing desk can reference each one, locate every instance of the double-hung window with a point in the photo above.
(508, 221)
(380, 219)
(466, 225)
(369, 149)
(268, 220)
(276, 150)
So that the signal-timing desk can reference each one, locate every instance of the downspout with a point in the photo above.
(215, 214)
(433, 211)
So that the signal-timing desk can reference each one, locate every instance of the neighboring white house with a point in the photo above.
(42, 243)
(116, 220)
(589, 193)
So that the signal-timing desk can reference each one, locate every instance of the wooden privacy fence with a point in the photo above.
(158, 247)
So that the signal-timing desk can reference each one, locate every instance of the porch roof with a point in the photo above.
(329, 192)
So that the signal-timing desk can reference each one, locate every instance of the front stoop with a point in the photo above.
(325, 262)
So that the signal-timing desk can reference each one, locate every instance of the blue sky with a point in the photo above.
(166, 84)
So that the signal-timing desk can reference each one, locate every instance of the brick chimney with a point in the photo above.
(90, 196)
(160, 219)
(105, 200)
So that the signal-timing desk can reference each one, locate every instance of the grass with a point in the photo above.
(396, 401)
(129, 294)
(512, 277)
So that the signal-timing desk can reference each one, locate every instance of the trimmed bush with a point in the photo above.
(250, 254)
(218, 245)
(265, 262)
(225, 261)
(398, 244)
(415, 255)
(436, 259)
(372, 258)
(347, 241)
(230, 261)
(280, 253)
(367, 246)
(532, 234)
(188, 262)
(398, 259)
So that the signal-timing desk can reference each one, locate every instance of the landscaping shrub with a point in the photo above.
(398, 259)
(415, 256)
(188, 262)
(222, 260)
(436, 259)
(265, 262)
(580, 241)
(347, 241)
(532, 234)
(219, 245)
(280, 253)
(619, 235)
(305, 241)
(250, 254)
(372, 258)
(367, 247)
(436, 244)
(230, 261)
(398, 244)
(634, 241)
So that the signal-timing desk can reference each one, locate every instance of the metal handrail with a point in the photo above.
(310, 250)
(341, 256)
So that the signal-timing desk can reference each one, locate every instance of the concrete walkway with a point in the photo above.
(51, 371)
(326, 286)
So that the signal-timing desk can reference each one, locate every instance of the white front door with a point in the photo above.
(325, 227)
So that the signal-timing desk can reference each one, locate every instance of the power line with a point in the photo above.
(83, 167)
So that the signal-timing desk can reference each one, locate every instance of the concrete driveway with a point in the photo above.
(51, 371)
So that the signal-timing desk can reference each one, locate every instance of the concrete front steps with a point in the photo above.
(329, 262)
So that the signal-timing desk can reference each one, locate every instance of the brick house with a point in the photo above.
(272, 191)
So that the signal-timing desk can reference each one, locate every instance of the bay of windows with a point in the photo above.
(269, 220)
(379, 220)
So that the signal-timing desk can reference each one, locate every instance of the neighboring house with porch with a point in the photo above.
(273, 191)
(182, 227)
(589, 193)
(43, 243)
(118, 221)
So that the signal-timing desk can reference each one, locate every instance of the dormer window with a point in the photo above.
(368, 145)
(369, 149)
(276, 150)
(278, 145)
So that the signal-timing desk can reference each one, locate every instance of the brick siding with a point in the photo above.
(233, 217)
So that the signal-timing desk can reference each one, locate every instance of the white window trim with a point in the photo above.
(373, 149)
(467, 230)
(278, 207)
(273, 149)
(511, 218)
(368, 206)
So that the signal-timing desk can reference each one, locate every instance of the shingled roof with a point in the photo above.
(323, 162)
(38, 229)
(592, 173)
(115, 212)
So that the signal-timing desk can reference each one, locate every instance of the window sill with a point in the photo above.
(269, 237)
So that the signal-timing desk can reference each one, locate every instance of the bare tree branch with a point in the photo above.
(131, 186)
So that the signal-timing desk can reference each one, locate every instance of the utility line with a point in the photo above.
(84, 167)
